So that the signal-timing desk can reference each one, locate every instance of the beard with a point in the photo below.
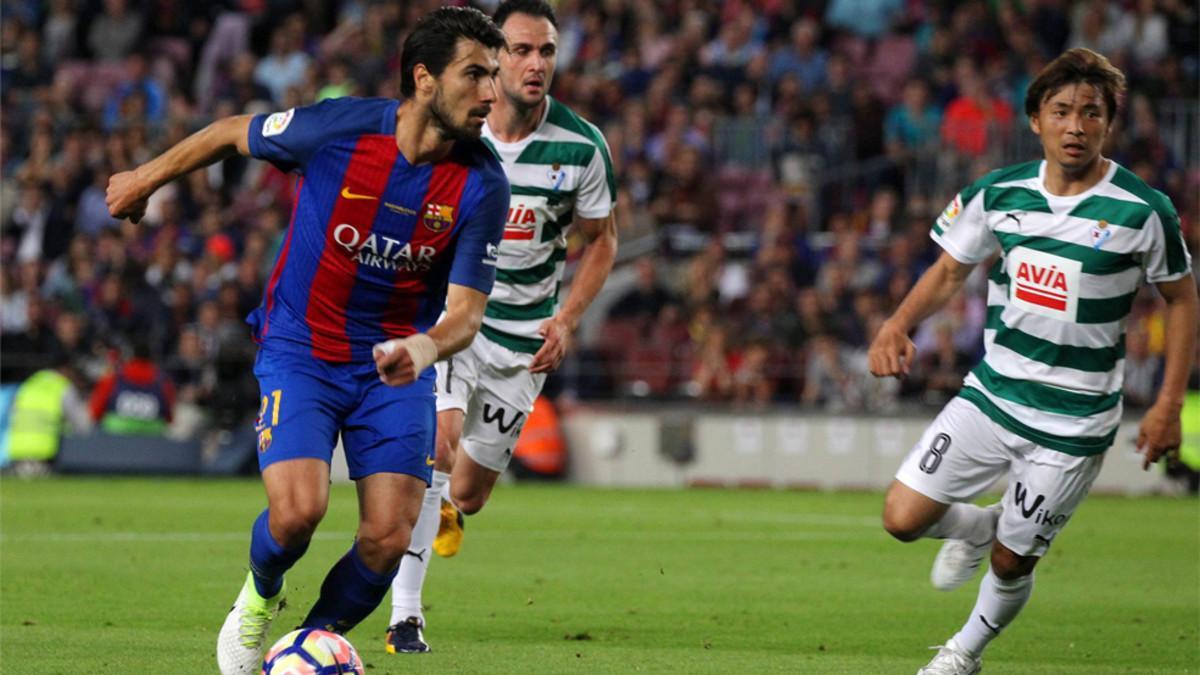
(449, 131)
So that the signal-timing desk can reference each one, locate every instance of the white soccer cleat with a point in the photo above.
(958, 559)
(243, 637)
(952, 660)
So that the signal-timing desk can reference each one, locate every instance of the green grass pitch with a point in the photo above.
(121, 576)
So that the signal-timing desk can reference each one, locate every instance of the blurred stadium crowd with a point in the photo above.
(779, 165)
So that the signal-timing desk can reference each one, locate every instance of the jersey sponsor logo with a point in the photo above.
(1100, 234)
(278, 122)
(950, 213)
(498, 416)
(437, 217)
(375, 250)
(347, 194)
(522, 223)
(1044, 283)
(1034, 511)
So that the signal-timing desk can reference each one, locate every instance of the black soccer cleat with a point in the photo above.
(406, 637)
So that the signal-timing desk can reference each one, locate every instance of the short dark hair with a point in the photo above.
(531, 7)
(1073, 66)
(435, 37)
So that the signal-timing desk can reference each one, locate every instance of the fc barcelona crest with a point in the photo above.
(437, 217)
(264, 439)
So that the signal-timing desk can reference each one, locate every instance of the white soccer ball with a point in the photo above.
(309, 651)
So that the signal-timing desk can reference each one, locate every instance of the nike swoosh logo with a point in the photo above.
(428, 461)
(347, 194)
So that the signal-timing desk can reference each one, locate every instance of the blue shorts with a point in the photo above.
(306, 402)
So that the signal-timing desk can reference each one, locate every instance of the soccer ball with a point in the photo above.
(309, 651)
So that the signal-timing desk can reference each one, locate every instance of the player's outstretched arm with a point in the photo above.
(402, 360)
(1160, 431)
(597, 261)
(129, 190)
(892, 353)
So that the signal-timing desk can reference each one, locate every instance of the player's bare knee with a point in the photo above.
(294, 523)
(902, 525)
(384, 544)
(469, 502)
(1008, 565)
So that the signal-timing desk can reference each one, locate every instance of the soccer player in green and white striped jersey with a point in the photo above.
(561, 175)
(1073, 236)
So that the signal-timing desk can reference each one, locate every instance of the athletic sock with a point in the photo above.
(998, 604)
(406, 587)
(268, 559)
(350, 592)
(967, 522)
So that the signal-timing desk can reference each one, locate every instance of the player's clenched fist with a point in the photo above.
(126, 196)
(891, 352)
(400, 361)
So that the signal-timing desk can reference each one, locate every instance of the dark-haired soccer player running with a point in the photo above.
(399, 214)
(561, 176)
(1074, 234)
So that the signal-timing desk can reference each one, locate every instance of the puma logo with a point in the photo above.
(994, 629)
(418, 555)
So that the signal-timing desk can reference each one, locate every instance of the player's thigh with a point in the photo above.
(471, 483)
(302, 404)
(958, 457)
(504, 397)
(391, 430)
(457, 377)
(1044, 489)
(449, 435)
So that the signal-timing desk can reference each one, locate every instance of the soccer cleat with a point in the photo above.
(450, 530)
(958, 559)
(406, 637)
(952, 660)
(243, 636)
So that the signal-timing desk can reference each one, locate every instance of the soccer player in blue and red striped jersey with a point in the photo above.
(398, 216)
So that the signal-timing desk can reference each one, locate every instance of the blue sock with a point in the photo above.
(269, 560)
(349, 594)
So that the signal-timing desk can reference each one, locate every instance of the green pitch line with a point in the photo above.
(106, 575)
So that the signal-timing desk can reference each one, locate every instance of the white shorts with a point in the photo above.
(493, 385)
(964, 452)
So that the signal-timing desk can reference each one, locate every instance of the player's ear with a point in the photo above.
(1035, 125)
(425, 82)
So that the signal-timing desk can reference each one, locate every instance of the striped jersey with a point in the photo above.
(1059, 294)
(373, 241)
(561, 170)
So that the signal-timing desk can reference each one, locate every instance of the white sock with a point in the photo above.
(406, 587)
(999, 602)
(968, 522)
(446, 488)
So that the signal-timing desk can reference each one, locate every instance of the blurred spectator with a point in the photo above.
(138, 99)
(974, 121)
(825, 377)
(866, 18)
(942, 370)
(138, 398)
(1142, 369)
(647, 298)
(285, 66)
(115, 32)
(802, 57)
